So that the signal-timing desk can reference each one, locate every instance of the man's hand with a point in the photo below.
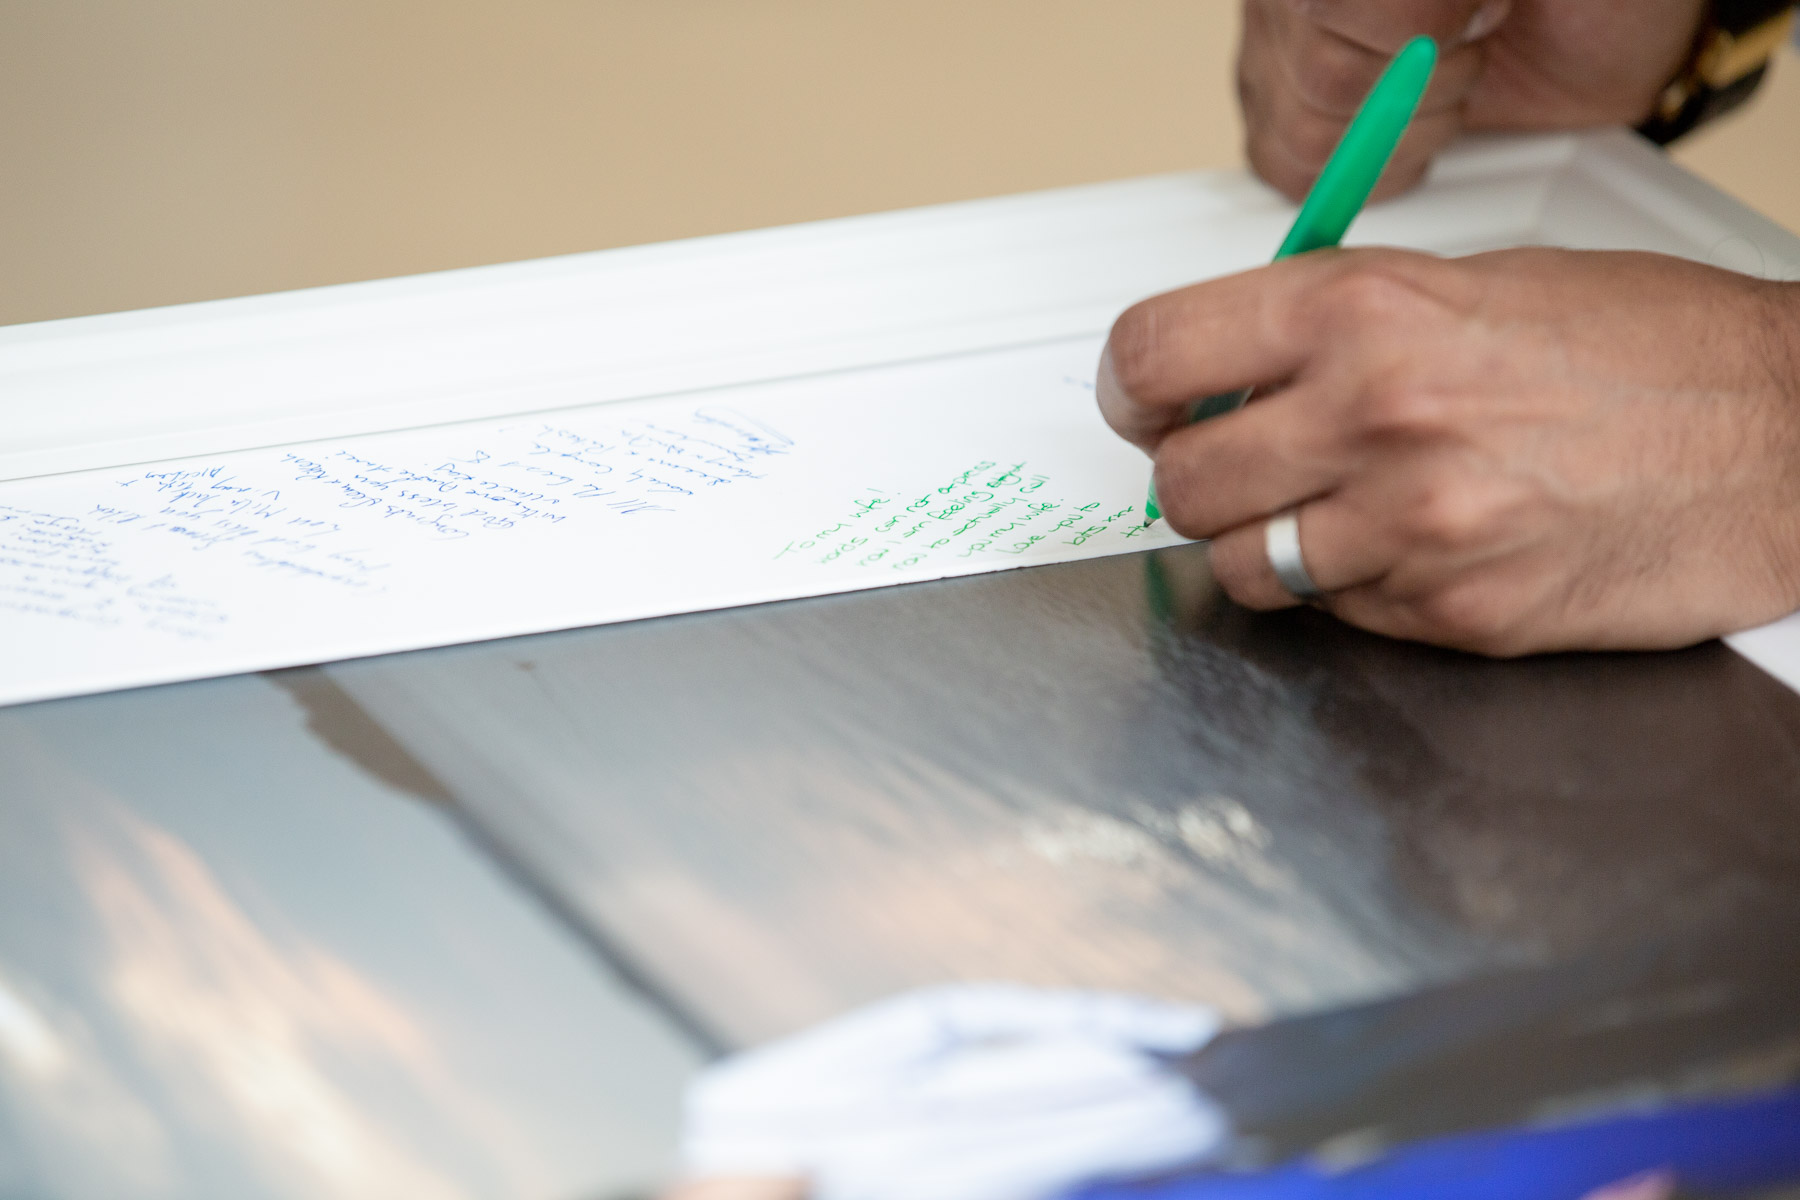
(1305, 65)
(1522, 451)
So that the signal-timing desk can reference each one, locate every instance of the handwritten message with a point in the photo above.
(60, 566)
(345, 517)
(618, 511)
(990, 508)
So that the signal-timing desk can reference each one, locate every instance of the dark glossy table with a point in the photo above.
(1098, 773)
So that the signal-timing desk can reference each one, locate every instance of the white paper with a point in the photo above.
(1774, 647)
(357, 546)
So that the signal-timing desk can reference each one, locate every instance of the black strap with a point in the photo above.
(1701, 107)
(1701, 100)
(1738, 17)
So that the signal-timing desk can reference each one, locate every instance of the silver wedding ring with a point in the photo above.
(1281, 539)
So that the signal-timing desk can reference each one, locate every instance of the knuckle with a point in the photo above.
(1401, 176)
(1330, 76)
(1375, 288)
(1138, 348)
(1274, 168)
(1398, 408)
(1376, 312)
(1448, 517)
(1177, 494)
(1309, 138)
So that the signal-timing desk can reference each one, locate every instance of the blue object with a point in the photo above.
(1714, 1147)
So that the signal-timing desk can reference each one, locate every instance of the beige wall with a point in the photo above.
(158, 152)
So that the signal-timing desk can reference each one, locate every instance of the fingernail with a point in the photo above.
(1487, 18)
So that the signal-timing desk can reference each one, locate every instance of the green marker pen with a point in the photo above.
(1344, 185)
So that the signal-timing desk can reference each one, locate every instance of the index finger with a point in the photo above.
(1238, 331)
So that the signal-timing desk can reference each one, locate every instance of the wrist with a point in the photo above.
(1785, 343)
(1782, 352)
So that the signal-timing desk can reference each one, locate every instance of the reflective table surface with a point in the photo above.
(469, 916)
(233, 965)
